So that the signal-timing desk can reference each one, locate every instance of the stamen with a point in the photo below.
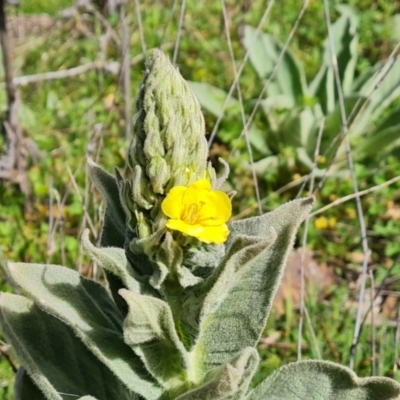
(189, 214)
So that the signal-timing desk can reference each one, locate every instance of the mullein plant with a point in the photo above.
(188, 293)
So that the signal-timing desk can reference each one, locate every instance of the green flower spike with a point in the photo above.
(168, 151)
(169, 147)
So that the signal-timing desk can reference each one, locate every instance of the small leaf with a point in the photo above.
(113, 231)
(87, 308)
(114, 224)
(316, 380)
(149, 328)
(112, 259)
(169, 256)
(56, 360)
(366, 76)
(229, 381)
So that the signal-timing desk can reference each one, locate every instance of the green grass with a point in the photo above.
(44, 6)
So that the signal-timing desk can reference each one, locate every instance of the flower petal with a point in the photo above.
(216, 210)
(201, 184)
(184, 227)
(172, 205)
(214, 234)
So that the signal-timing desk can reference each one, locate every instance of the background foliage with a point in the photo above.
(82, 115)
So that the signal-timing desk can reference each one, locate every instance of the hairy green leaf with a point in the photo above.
(88, 309)
(316, 380)
(112, 259)
(149, 328)
(229, 381)
(114, 223)
(55, 358)
(24, 388)
(235, 310)
(113, 231)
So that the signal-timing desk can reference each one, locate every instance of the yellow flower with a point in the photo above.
(198, 211)
(325, 223)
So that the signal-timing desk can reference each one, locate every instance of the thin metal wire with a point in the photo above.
(171, 14)
(396, 343)
(178, 35)
(353, 118)
(277, 65)
(240, 70)
(303, 252)
(364, 240)
(125, 71)
(140, 25)
(243, 115)
(373, 327)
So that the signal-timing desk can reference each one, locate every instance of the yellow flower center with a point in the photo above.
(191, 214)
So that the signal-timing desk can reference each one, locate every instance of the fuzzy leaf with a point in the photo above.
(112, 259)
(114, 223)
(113, 231)
(229, 381)
(169, 257)
(86, 307)
(149, 328)
(316, 380)
(235, 310)
(24, 388)
(58, 362)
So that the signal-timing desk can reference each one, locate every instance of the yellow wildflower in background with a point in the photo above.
(325, 223)
(198, 211)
